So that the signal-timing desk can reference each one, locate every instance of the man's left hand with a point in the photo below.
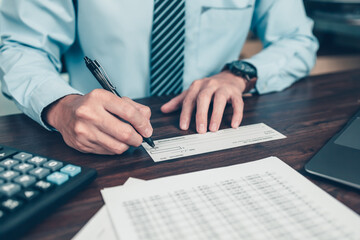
(221, 88)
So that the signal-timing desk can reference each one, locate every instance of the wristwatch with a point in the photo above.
(242, 69)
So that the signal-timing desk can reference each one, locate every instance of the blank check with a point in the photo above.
(189, 145)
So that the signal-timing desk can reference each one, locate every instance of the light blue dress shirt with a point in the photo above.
(36, 33)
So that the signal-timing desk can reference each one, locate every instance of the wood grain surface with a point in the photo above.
(308, 113)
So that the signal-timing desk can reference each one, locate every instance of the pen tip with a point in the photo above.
(151, 142)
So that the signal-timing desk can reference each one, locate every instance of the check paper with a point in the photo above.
(264, 199)
(189, 145)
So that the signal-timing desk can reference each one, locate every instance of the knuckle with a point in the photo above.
(83, 111)
(122, 148)
(212, 82)
(129, 112)
(143, 124)
(119, 148)
(138, 143)
(100, 94)
(95, 93)
(147, 111)
(196, 83)
(203, 95)
(126, 134)
(79, 129)
(221, 95)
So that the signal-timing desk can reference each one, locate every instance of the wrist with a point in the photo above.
(245, 85)
(245, 70)
(53, 112)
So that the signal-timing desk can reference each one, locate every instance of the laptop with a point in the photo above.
(339, 159)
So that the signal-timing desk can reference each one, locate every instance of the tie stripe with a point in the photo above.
(167, 47)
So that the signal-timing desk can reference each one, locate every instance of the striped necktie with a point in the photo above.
(167, 47)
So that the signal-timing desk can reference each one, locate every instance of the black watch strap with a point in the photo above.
(242, 69)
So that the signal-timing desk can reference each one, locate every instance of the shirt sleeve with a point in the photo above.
(34, 35)
(289, 46)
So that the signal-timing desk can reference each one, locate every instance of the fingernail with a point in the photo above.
(148, 132)
(184, 125)
(213, 127)
(235, 125)
(201, 128)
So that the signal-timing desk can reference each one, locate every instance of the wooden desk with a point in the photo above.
(308, 113)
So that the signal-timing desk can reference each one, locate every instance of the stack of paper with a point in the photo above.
(264, 199)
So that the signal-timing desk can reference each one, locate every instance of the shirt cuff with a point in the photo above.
(47, 93)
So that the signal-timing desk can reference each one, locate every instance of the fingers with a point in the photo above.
(97, 148)
(119, 130)
(128, 112)
(145, 110)
(220, 100)
(89, 138)
(108, 144)
(92, 123)
(202, 109)
(84, 146)
(188, 105)
(174, 104)
(238, 108)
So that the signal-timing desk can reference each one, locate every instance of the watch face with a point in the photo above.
(240, 66)
(245, 68)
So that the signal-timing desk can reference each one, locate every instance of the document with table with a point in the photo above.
(264, 199)
(100, 226)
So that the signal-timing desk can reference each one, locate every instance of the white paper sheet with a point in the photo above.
(99, 227)
(265, 199)
(177, 147)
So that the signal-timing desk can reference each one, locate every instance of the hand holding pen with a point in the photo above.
(101, 76)
(99, 122)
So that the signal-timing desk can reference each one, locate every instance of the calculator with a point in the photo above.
(31, 186)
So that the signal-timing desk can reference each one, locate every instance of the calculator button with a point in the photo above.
(38, 161)
(22, 156)
(28, 195)
(10, 189)
(11, 204)
(71, 170)
(58, 178)
(6, 152)
(2, 215)
(23, 167)
(53, 165)
(8, 175)
(2, 196)
(43, 185)
(8, 163)
(25, 180)
(40, 172)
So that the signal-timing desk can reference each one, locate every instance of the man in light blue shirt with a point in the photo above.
(36, 33)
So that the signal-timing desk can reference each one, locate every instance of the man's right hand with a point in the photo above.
(91, 123)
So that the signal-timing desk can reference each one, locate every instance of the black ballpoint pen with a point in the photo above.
(101, 76)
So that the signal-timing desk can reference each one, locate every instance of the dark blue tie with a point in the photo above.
(167, 47)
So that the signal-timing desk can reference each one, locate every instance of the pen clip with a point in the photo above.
(101, 69)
